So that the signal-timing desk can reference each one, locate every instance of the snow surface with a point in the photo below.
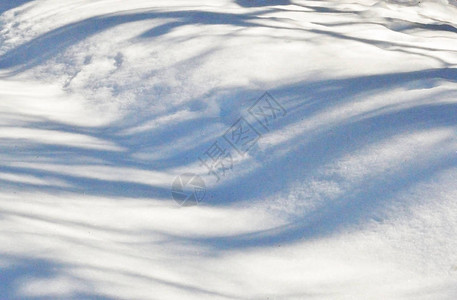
(351, 195)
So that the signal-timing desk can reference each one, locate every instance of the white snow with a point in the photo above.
(350, 195)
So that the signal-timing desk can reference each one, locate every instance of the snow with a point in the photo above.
(349, 195)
